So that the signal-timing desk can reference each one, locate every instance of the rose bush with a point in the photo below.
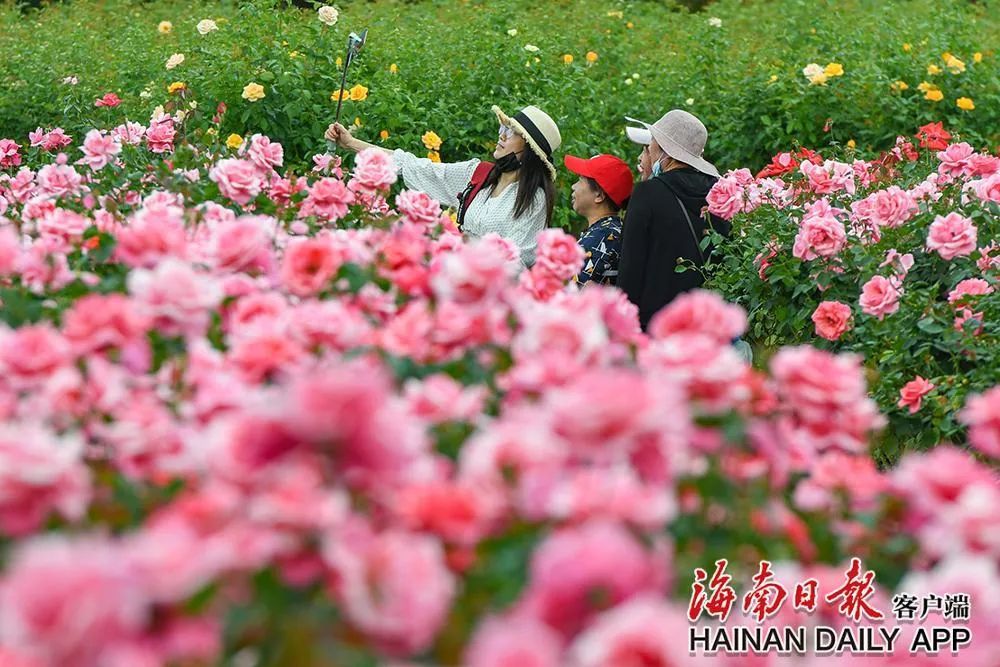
(898, 263)
(297, 422)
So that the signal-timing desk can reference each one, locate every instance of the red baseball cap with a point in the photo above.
(611, 173)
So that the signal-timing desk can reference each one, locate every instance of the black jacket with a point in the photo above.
(656, 235)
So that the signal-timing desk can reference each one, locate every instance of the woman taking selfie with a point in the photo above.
(512, 196)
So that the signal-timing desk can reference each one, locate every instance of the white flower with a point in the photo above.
(328, 14)
(689, 101)
(812, 70)
(145, 95)
(193, 105)
(628, 82)
(175, 60)
(180, 115)
(206, 26)
(715, 22)
(512, 32)
(71, 81)
(635, 76)
(531, 48)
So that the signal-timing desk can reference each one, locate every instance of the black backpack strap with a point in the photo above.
(687, 217)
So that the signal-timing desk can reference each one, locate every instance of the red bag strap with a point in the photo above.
(476, 183)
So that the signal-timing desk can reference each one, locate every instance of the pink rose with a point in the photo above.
(418, 207)
(129, 133)
(376, 572)
(891, 207)
(40, 474)
(152, 233)
(513, 640)
(952, 236)
(160, 135)
(727, 197)
(827, 400)
(913, 392)
(328, 199)
(71, 600)
(637, 632)
(244, 244)
(99, 149)
(987, 189)
(969, 287)
(832, 319)
(880, 297)
(573, 562)
(558, 254)
(9, 155)
(239, 180)
(701, 312)
(819, 236)
(265, 154)
(982, 415)
(177, 297)
(955, 160)
(309, 264)
(97, 322)
(59, 180)
(374, 170)
(829, 177)
(473, 272)
(30, 354)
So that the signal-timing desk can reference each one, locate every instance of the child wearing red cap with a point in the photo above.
(603, 189)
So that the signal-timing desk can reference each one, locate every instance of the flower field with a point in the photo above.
(265, 407)
(740, 67)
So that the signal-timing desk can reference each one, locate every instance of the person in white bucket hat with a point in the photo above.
(512, 196)
(666, 219)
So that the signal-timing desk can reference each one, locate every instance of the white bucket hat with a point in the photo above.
(539, 131)
(681, 136)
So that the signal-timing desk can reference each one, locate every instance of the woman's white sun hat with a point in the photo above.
(538, 129)
(681, 136)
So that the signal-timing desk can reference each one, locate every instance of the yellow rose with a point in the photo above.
(934, 95)
(591, 57)
(899, 86)
(339, 61)
(933, 69)
(234, 141)
(852, 144)
(434, 156)
(359, 93)
(175, 86)
(977, 57)
(165, 27)
(955, 66)
(431, 141)
(338, 95)
(383, 135)
(965, 104)
(907, 47)
(629, 25)
(833, 69)
(393, 68)
(774, 77)
(357, 121)
(567, 59)
(253, 92)
(925, 86)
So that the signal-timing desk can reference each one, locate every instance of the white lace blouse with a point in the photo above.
(445, 181)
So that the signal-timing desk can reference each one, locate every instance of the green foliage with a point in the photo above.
(455, 59)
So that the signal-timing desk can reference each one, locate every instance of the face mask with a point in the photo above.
(509, 162)
(656, 170)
